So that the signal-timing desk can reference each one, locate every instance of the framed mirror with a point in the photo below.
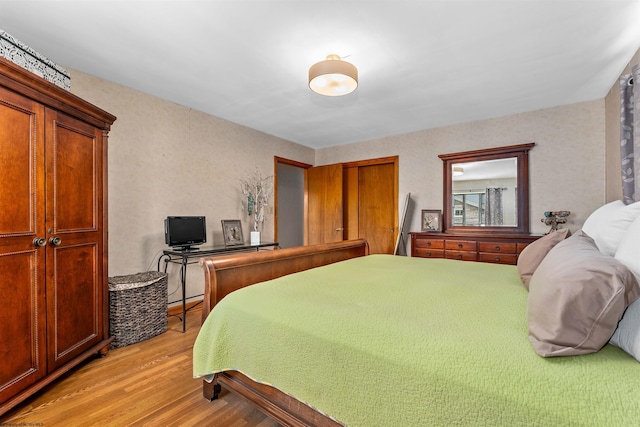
(487, 190)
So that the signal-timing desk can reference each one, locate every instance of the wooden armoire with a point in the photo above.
(53, 232)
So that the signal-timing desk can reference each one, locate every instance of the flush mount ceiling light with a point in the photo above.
(458, 170)
(333, 77)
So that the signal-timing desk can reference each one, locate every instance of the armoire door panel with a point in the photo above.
(73, 289)
(22, 330)
(75, 240)
(21, 166)
(72, 178)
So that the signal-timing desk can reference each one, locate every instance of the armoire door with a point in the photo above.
(22, 261)
(74, 225)
(323, 188)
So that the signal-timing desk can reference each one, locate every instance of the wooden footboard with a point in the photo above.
(272, 402)
(226, 274)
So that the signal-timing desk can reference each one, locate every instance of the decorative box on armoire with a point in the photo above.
(53, 232)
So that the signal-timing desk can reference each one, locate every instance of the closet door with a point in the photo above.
(377, 207)
(22, 262)
(74, 237)
(323, 198)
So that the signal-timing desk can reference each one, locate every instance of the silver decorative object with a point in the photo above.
(554, 218)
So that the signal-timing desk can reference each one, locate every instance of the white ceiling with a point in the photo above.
(422, 64)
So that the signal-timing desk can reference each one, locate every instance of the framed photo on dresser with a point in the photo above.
(431, 220)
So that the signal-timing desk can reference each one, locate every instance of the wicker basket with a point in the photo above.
(137, 307)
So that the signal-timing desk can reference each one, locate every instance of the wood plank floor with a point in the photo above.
(148, 384)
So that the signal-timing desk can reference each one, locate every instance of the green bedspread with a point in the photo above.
(396, 341)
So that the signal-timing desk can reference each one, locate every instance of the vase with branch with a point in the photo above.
(257, 190)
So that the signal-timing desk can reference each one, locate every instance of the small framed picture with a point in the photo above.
(232, 232)
(431, 220)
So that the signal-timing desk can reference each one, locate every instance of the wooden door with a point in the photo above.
(323, 198)
(22, 263)
(74, 237)
(377, 207)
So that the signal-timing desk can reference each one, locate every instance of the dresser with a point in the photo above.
(468, 246)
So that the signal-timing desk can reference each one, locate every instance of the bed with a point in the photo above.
(369, 340)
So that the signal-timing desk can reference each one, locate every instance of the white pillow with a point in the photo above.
(628, 251)
(608, 224)
(627, 334)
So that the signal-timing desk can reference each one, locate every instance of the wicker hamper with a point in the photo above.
(137, 307)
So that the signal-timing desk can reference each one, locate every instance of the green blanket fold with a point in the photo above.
(385, 340)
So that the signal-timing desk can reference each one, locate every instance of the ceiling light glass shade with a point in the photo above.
(457, 171)
(333, 77)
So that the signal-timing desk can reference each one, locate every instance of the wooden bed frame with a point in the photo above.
(226, 274)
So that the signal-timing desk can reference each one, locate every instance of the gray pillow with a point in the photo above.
(577, 296)
(533, 254)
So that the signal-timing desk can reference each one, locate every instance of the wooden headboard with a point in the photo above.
(225, 274)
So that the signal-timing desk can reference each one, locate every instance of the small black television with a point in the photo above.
(185, 232)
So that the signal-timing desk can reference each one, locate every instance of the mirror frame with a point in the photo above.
(521, 153)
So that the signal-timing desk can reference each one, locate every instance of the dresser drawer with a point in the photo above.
(498, 258)
(506, 248)
(461, 245)
(429, 243)
(461, 255)
(428, 253)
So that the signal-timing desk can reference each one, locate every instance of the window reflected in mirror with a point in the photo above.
(485, 193)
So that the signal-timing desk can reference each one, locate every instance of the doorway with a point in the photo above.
(289, 202)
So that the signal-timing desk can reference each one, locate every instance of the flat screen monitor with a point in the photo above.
(185, 232)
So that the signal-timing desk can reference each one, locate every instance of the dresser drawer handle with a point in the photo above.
(460, 245)
(497, 259)
(428, 243)
(459, 256)
(497, 248)
(428, 253)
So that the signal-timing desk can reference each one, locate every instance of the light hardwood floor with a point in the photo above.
(148, 383)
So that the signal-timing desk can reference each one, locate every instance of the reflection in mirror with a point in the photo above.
(487, 191)
(484, 193)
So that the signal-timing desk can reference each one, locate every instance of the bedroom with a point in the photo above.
(153, 140)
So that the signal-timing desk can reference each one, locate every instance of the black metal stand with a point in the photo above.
(185, 257)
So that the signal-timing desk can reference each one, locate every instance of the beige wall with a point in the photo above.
(567, 165)
(167, 159)
(612, 105)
